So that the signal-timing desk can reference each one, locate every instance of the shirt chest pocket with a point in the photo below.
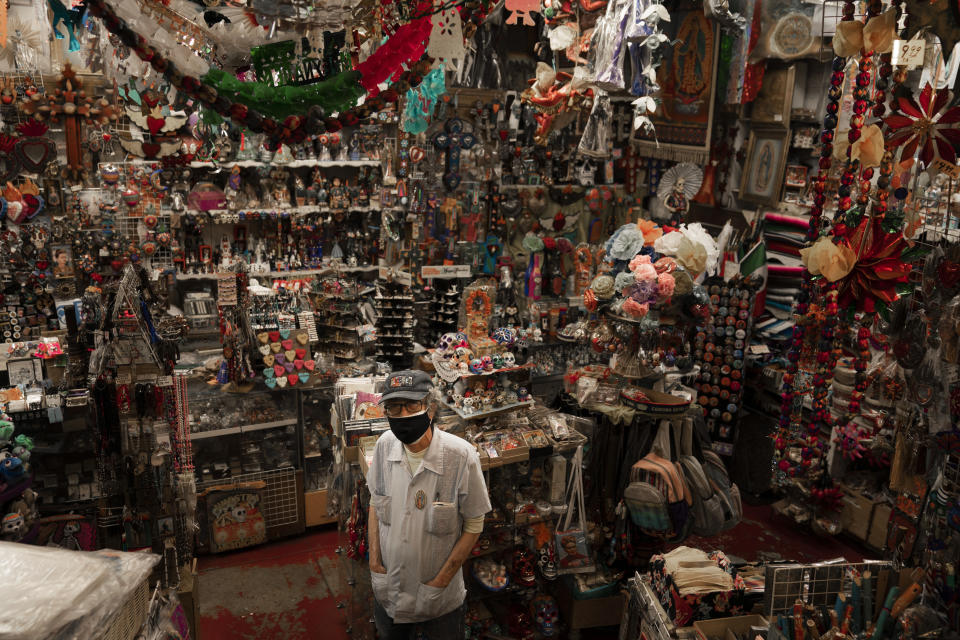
(381, 505)
(442, 518)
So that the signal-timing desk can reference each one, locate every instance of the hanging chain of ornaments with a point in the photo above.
(790, 410)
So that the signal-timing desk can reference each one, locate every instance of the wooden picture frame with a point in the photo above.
(774, 103)
(763, 169)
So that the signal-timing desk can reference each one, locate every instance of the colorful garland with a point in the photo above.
(388, 59)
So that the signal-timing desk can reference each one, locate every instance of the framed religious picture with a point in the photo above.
(796, 177)
(762, 177)
(775, 100)
(686, 77)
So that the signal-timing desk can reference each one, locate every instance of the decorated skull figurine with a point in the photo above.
(523, 567)
(12, 527)
(447, 343)
(509, 360)
(487, 363)
(522, 394)
(468, 404)
(545, 612)
(476, 365)
(497, 361)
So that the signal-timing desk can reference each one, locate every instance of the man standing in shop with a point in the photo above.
(427, 502)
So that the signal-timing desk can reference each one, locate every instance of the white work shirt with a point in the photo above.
(420, 520)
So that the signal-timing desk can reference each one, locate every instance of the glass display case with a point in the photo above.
(318, 456)
(241, 433)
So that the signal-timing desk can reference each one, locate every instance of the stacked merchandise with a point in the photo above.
(783, 237)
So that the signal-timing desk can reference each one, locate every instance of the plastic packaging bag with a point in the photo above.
(66, 595)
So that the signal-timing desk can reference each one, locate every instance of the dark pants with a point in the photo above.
(446, 627)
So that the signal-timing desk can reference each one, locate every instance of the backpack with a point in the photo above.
(716, 501)
(728, 492)
(708, 509)
(658, 496)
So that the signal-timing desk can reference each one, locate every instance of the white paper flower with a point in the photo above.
(668, 243)
(698, 235)
(626, 242)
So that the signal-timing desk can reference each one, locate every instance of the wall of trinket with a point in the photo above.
(674, 269)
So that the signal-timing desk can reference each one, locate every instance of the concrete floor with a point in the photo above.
(289, 590)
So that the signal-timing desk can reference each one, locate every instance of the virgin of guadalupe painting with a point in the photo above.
(686, 76)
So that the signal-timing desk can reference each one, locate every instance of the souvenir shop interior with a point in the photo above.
(682, 273)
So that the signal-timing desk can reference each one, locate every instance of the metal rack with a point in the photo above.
(644, 617)
(279, 502)
(813, 584)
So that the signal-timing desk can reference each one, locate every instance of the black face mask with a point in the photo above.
(411, 428)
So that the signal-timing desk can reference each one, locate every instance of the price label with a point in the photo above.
(165, 381)
(908, 53)
(948, 168)
(759, 349)
(123, 378)
(445, 271)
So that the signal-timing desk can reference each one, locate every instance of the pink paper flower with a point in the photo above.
(635, 309)
(639, 260)
(666, 285)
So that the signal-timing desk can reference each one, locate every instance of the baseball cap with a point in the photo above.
(407, 385)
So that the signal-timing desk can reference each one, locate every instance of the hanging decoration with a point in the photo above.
(397, 51)
(928, 123)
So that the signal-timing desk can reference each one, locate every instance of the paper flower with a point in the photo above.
(625, 280)
(635, 309)
(650, 230)
(928, 123)
(877, 35)
(698, 235)
(665, 285)
(878, 267)
(869, 148)
(668, 243)
(832, 261)
(692, 255)
(625, 243)
(880, 32)
(590, 300)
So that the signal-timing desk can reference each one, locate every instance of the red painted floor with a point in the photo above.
(289, 590)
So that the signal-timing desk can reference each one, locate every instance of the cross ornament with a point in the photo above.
(453, 139)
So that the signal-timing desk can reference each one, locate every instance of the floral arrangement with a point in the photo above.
(646, 264)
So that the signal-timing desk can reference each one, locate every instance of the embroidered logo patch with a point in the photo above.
(401, 381)
(421, 499)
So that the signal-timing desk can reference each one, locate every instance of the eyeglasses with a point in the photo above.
(395, 409)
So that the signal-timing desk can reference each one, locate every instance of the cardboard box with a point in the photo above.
(879, 525)
(719, 628)
(315, 508)
(585, 614)
(189, 594)
(857, 513)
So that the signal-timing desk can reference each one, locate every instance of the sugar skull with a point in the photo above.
(476, 365)
(487, 363)
(544, 610)
(504, 336)
(523, 568)
(447, 343)
(497, 361)
(509, 360)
